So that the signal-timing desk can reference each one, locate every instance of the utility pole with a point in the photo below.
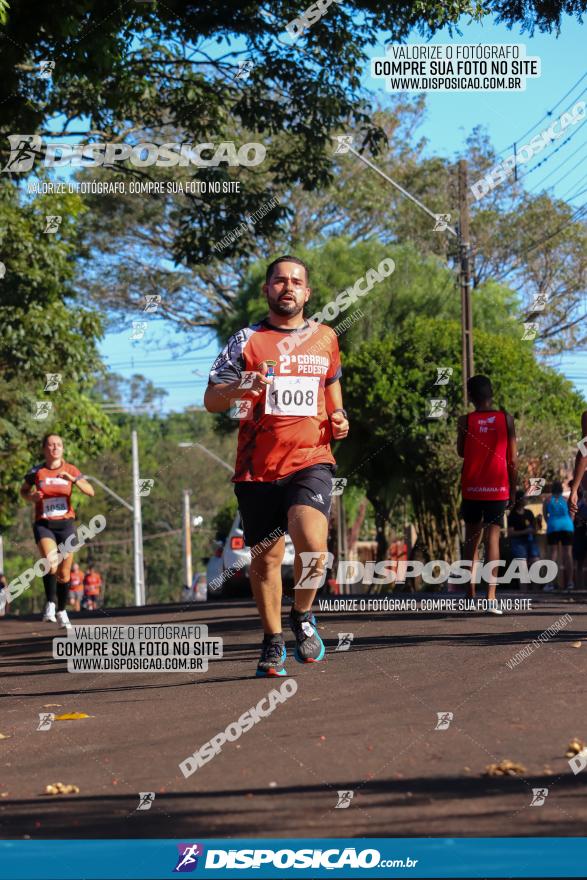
(187, 540)
(341, 537)
(465, 279)
(139, 569)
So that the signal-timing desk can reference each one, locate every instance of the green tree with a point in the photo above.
(44, 330)
(395, 446)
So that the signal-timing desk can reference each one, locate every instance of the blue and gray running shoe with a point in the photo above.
(309, 646)
(272, 659)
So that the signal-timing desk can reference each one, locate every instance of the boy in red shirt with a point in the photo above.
(486, 441)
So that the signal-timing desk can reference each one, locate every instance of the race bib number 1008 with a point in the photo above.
(292, 396)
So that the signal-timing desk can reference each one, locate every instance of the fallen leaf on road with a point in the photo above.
(575, 746)
(272, 785)
(61, 788)
(71, 716)
(3, 794)
(4, 736)
(505, 768)
(576, 644)
(49, 705)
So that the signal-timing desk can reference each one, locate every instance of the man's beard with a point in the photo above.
(287, 309)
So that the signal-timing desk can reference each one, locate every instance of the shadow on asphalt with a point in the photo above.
(195, 813)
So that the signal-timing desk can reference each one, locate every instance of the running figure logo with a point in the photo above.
(443, 375)
(338, 485)
(442, 221)
(344, 800)
(23, 153)
(52, 223)
(536, 486)
(539, 795)
(530, 330)
(42, 410)
(46, 69)
(146, 799)
(244, 70)
(437, 408)
(344, 641)
(46, 719)
(138, 329)
(52, 381)
(345, 143)
(145, 487)
(444, 719)
(152, 302)
(539, 304)
(188, 857)
(246, 380)
(314, 565)
(241, 409)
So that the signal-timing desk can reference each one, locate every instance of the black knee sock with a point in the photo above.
(50, 582)
(62, 593)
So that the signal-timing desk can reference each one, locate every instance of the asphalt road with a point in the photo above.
(362, 721)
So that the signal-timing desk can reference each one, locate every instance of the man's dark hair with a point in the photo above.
(286, 259)
(520, 495)
(479, 389)
(557, 487)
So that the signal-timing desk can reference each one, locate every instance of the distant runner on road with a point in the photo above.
(292, 405)
(49, 486)
(486, 441)
(77, 587)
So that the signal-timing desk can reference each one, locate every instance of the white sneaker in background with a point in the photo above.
(49, 614)
(63, 619)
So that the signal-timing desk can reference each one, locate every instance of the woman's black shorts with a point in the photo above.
(59, 530)
(562, 537)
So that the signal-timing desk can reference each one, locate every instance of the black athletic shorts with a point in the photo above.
(561, 537)
(59, 530)
(491, 512)
(264, 506)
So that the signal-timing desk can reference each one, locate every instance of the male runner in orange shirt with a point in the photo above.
(284, 466)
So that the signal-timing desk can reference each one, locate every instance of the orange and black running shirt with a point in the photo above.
(287, 428)
(56, 501)
(485, 463)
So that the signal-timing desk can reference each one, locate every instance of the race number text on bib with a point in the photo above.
(53, 508)
(292, 396)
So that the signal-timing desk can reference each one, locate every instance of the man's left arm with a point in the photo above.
(336, 412)
(333, 393)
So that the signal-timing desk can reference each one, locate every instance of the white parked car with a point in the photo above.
(228, 569)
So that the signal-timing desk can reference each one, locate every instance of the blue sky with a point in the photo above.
(449, 119)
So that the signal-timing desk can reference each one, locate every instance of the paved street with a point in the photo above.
(363, 721)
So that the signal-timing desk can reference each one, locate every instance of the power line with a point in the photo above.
(581, 179)
(564, 162)
(546, 115)
(554, 152)
(534, 245)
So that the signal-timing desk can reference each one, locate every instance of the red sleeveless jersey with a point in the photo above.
(485, 466)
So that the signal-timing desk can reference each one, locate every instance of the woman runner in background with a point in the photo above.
(49, 486)
(559, 534)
